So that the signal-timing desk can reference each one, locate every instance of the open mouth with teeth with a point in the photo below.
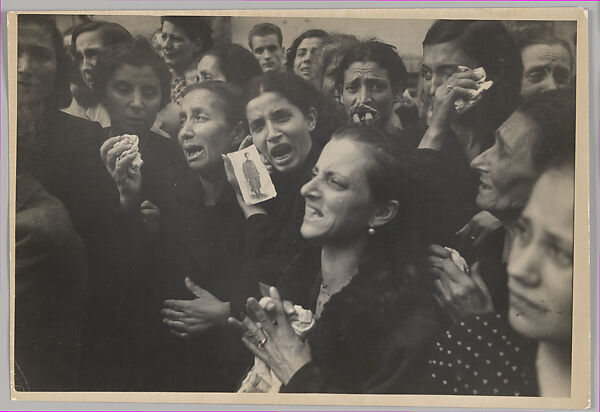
(281, 153)
(193, 152)
(363, 114)
(311, 212)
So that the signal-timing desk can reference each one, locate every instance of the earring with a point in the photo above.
(371, 231)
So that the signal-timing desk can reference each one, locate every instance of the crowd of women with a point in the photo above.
(421, 241)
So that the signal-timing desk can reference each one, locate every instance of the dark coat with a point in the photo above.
(374, 336)
(50, 292)
(206, 245)
(274, 239)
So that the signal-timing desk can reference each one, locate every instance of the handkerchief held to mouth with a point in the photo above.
(462, 105)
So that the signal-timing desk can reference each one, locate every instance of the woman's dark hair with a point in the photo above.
(230, 101)
(489, 43)
(137, 52)
(290, 54)
(553, 112)
(333, 50)
(383, 54)
(195, 27)
(237, 64)
(110, 33)
(61, 94)
(391, 176)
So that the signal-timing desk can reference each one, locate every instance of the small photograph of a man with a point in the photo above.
(252, 176)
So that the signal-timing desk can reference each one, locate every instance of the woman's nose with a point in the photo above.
(524, 264)
(436, 82)
(273, 132)
(480, 162)
(309, 190)
(185, 132)
(136, 99)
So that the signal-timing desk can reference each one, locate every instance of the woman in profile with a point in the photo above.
(373, 314)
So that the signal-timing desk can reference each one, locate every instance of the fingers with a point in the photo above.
(462, 83)
(122, 165)
(246, 142)
(172, 314)
(438, 251)
(231, 179)
(255, 350)
(235, 323)
(442, 292)
(107, 145)
(178, 334)
(253, 307)
(149, 207)
(464, 75)
(194, 288)
(112, 156)
(466, 230)
(177, 305)
(288, 308)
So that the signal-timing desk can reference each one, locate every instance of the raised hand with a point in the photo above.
(458, 293)
(186, 317)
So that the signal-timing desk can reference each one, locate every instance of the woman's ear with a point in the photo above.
(384, 213)
(311, 117)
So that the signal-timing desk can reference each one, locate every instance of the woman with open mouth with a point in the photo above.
(201, 281)
(283, 113)
(357, 218)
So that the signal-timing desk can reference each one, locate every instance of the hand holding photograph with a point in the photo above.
(252, 176)
(403, 180)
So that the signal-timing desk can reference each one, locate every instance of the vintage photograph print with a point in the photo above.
(411, 197)
(252, 175)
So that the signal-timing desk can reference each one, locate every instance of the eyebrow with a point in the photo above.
(280, 112)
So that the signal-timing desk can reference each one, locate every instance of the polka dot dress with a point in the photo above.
(482, 355)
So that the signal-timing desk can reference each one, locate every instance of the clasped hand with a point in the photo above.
(269, 335)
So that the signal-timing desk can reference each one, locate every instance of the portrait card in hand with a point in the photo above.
(252, 176)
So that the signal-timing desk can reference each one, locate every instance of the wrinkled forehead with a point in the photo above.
(200, 100)
(545, 54)
(365, 70)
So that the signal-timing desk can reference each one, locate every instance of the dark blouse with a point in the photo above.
(206, 245)
(374, 336)
(274, 239)
(482, 355)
